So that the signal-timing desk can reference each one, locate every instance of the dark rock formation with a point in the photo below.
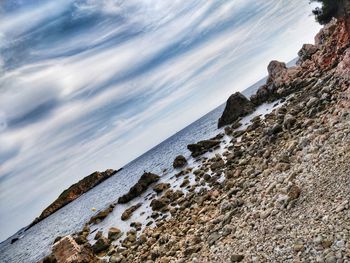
(74, 191)
(128, 212)
(101, 244)
(236, 106)
(161, 187)
(101, 215)
(202, 147)
(179, 161)
(140, 187)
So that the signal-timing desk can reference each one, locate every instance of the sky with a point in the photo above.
(88, 85)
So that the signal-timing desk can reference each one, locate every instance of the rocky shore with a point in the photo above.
(275, 191)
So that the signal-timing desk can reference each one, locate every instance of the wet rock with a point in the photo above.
(128, 212)
(161, 187)
(98, 235)
(180, 161)
(100, 216)
(140, 187)
(202, 147)
(158, 204)
(102, 244)
(236, 106)
(114, 233)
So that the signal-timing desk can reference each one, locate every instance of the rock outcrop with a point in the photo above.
(329, 53)
(74, 191)
(202, 147)
(180, 161)
(128, 212)
(141, 186)
(67, 250)
(236, 106)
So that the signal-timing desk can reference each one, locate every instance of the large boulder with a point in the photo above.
(237, 106)
(141, 186)
(179, 161)
(306, 52)
(66, 250)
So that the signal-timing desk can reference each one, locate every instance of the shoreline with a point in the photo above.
(278, 182)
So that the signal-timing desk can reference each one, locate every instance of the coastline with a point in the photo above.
(262, 184)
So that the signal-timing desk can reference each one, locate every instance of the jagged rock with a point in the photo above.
(140, 187)
(202, 147)
(74, 191)
(98, 235)
(100, 216)
(161, 187)
(306, 52)
(114, 233)
(158, 204)
(179, 161)
(101, 245)
(343, 68)
(236, 106)
(128, 212)
(66, 250)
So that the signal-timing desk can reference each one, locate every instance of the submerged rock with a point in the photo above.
(236, 106)
(141, 186)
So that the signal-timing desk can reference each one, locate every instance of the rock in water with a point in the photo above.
(202, 147)
(128, 212)
(179, 161)
(237, 106)
(140, 187)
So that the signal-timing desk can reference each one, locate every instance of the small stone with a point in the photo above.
(236, 258)
(279, 227)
